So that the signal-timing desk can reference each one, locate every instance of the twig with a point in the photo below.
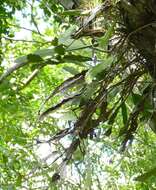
(23, 40)
(21, 27)
(31, 77)
(57, 106)
(11, 70)
(32, 17)
(65, 85)
(138, 29)
(79, 48)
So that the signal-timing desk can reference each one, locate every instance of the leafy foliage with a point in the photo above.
(87, 94)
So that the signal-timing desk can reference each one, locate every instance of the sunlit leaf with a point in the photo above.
(95, 70)
(71, 70)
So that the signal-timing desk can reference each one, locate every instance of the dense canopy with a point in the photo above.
(78, 94)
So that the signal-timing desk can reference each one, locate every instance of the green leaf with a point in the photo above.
(113, 116)
(22, 59)
(108, 132)
(60, 50)
(45, 52)
(65, 37)
(41, 53)
(19, 180)
(103, 42)
(78, 156)
(89, 91)
(20, 140)
(71, 70)
(77, 45)
(122, 131)
(94, 71)
(54, 42)
(34, 58)
(136, 98)
(146, 176)
(77, 59)
(124, 113)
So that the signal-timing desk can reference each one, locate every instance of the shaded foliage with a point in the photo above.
(108, 91)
